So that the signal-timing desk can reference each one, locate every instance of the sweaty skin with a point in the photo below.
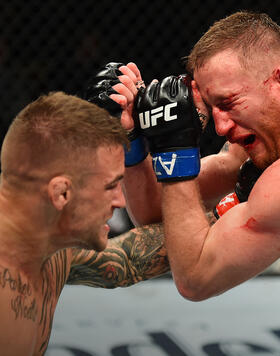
(51, 232)
(28, 307)
(208, 260)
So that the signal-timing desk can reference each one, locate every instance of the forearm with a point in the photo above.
(217, 178)
(214, 180)
(207, 261)
(143, 193)
(218, 174)
(185, 231)
(135, 256)
(204, 261)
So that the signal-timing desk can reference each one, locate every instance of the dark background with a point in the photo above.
(59, 44)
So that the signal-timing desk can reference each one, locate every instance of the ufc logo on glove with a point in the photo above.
(165, 115)
(149, 118)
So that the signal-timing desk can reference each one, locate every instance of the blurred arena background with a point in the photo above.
(57, 45)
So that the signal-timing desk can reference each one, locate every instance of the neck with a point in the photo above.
(25, 238)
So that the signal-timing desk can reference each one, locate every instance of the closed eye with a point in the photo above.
(225, 107)
(114, 183)
(111, 186)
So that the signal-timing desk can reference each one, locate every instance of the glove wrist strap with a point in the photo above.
(228, 202)
(137, 152)
(181, 164)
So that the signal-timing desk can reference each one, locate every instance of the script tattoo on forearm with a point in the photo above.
(133, 257)
(22, 303)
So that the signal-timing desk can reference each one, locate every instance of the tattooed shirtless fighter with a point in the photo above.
(62, 167)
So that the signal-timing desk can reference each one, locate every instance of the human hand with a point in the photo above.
(114, 88)
(100, 87)
(126, 91)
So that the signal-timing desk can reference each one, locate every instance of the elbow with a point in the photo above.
(194, 293)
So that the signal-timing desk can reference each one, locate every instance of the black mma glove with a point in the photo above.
(98, 91)
(247, 177)
(164, 113)
(100, 87)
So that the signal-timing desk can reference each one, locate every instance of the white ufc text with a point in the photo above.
(150, 117)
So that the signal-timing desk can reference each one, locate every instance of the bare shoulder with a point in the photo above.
(268, 181)
(58, 266)
(264, 200)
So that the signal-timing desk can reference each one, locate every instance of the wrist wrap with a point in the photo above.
(228, 202)
(137, 152)
(181, 164)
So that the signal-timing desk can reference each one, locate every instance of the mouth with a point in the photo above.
(249, 140)
(245, 141)
(108, 222)
(106, 227)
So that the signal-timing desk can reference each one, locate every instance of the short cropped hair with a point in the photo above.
(246, 32)
(59, 125)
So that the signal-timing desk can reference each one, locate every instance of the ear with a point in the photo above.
(59, 190)
(276, 74)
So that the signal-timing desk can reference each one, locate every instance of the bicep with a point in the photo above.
(246, 239)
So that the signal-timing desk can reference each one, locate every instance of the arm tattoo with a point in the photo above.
(211, 217)
(132, 257)
(54, 275)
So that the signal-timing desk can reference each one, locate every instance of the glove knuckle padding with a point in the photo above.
(149, 99)
(100, 88)
(247, 177)
(110, 71)
(105, 84)
(171, 110)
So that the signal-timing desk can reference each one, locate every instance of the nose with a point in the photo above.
(223, 122)
(119, 199)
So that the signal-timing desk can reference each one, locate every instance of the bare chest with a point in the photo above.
(29, 309)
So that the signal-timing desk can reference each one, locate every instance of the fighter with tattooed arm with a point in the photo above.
(62, 170)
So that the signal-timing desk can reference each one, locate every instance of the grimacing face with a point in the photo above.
(244, 105)
(96, 199)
